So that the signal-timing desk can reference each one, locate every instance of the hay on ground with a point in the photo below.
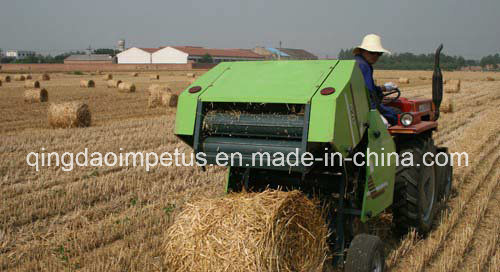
(404, 80)
(490, 79)
(161, 96)
(422, 78)
(455, 82)
(452, 87)
(107, 77)
(114, 83)
(32, 84)
(87, 83)
(126, 87)
(44, 76)
(268, 231)
(0, 82)
(448, 105)
(28, 77)
(36, 95)
(191, 75)
(69, 114)
(154, 77)
(6, 79)
(134, 74)
(19, 77)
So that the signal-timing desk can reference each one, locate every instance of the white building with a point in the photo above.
(19, 54)
(136, 55)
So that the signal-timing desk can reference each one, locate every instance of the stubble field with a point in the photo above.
(115, 218)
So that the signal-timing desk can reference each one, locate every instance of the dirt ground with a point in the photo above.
(114, 218)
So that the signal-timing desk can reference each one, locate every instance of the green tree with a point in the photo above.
(207, 59)
(105, 51)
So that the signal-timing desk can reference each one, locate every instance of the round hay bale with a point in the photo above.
(69, 114)
(490, 79)
(404, 80)
(107, 77)
(444, 81)
(267, 231)
(44, 76)
(126, 87)
(448, 105)
(19, 78)
(161, 96)
(114, 83)
(0, 82)
(87, 83)
(422, 78)
(452, 87)
(455, 82)
(134, 74)
(6, 79)
(36, 95)
(154, 77)
(169, 99)
(32, 84)
(28, 77)
(191, 75)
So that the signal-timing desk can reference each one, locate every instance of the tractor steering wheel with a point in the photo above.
(386, 94)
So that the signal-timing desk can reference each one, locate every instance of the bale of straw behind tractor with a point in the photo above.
(453, 86)
(490, 79)
(267, 231)
(404, 80)
(154, 77)
(126, 87)
(19, 78)
(114, 83)
(107, 77)
(44, 76)
(161, 96)
(69, 114)
(32, 84)
(36, 95)
(448, 105)
(6, 79)
(134, 74)
(87, 83)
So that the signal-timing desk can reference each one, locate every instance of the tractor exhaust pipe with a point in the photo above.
(437, 84)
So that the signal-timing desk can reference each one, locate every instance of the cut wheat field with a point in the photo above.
(115, 218)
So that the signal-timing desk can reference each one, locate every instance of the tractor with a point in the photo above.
(317, 110)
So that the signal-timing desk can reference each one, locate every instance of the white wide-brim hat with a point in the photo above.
(372, 43)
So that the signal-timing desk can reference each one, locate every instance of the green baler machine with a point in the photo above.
(295, 109)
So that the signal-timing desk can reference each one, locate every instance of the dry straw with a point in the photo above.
(404, 80)
(28, 77)
(32, 84)
(107, 77)
(268, 231)
(44, 76)
(6, 79)
(448, 105)
(126, 87)
(490, 79)
(87, 83)
(114, 83)
(453, 86)
(134, 74)
(0, 82)
(69, 114)
(36, 95)
(19, 77)
(154, 77)
(161, 96)
(191, 75)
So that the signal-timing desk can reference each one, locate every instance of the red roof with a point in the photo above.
(200, 51)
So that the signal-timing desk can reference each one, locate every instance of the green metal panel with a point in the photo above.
(269, 81)
(186, 105)
(379, 187)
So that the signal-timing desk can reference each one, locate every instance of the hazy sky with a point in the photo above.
(469, 28)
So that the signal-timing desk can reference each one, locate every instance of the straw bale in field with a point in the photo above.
(28, 77)
(490, 79)
(32, 84)
(6, 79)
(44, 76)
(448, 105)
(134, 74)
(69, 114)
(0, 82)
(154, 77)
(452, 87)
(36, 95)
(107, 77)
(126, 87)
(267, 231)
(404, 80)
(19, 77)
(422, 78)
(87, 83)
(161, 96)
(114, 83)
(455, 81)
(191, 75)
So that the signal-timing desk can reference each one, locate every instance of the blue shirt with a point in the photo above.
(376, 94)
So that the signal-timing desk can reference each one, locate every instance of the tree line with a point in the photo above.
(410, 61)
(57, 58)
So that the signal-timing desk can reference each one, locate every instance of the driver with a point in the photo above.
(366, 55)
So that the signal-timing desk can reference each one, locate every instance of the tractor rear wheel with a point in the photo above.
(416, 188)
(366, 253)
